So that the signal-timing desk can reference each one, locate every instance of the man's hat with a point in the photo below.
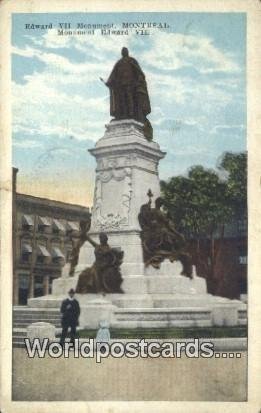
(71, 291)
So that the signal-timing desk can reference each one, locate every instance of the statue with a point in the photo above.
(74, 258)
(129, 97)
(104, 275)
(160, 240)
(84, 228)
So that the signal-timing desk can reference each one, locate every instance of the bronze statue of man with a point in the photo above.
(129, 97)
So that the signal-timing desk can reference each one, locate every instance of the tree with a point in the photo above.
(235, 164)
(202, 203)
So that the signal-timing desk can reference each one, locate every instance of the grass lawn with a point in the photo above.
(172, 332)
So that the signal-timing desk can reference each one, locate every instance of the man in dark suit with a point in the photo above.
(70, 310)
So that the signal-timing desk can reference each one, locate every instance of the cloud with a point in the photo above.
(227, 129)
(170, 91)
(173, 51)
(27, 144)
(192, 151)
(62, 98)
(43, 106)
(69, 71)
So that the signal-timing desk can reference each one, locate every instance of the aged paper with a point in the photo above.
(123, 385)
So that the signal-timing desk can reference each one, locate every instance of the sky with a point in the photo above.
(196, 76)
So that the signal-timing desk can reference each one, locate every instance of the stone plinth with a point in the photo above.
(225, 315)
(127, 167)
(41, 330)
(95, 310)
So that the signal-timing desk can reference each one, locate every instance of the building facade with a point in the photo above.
(44, 234)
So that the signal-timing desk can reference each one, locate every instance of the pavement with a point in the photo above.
(128, 379)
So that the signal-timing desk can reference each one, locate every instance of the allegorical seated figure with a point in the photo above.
(129, 98)
(104, 275)
(160, 239)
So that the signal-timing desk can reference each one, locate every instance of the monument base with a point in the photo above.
(150, 302)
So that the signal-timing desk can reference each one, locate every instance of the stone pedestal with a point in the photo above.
(41, 331)
(223, 315)
(94, 310)
(127, 167)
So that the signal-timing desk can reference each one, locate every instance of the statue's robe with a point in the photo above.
(127, 82)
(104, 275)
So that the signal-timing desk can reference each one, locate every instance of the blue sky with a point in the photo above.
(196, 79)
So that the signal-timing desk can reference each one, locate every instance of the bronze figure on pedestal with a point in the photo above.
(129, 98)
(160, 239)
(104, 275)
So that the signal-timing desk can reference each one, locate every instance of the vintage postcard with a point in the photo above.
(130, 218)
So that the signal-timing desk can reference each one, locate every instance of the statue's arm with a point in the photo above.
(90, 240)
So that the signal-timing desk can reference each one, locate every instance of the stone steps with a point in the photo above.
(164, 300)
(25, 325)
(19, 334)
(159, 324)
(24, 316)
(32, 310)
(162, 317)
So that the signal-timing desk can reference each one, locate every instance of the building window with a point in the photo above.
(40, 259)
(43, 224)
(23, 288)
(26, 257)
(38, 286)
(42, 255)
(50, 285)
(58, 227)
(57, 256)
(27, 222)
(26, 252)
(72, 227)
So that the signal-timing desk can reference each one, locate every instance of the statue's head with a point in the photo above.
(159, 202)
(103, 238)
(124, 52)
(84, 225)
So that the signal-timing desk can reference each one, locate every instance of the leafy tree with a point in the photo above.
(235, 164)
(202, 203)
